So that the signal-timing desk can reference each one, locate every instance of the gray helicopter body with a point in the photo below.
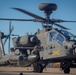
(45, 46)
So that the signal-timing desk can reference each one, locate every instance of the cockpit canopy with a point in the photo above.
(68, 35)
(60, 36)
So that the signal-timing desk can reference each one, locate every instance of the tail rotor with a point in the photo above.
(8, 37)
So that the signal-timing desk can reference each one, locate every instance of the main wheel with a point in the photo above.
(38, 68)
(67, 70)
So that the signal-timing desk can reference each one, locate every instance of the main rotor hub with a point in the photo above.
(47, 8)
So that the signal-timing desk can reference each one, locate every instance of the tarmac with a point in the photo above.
(29, 71)
(24, 73)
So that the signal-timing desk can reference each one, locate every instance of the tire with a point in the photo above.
(67, 70)
(38, 68)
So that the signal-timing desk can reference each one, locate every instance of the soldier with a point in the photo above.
(35, 50)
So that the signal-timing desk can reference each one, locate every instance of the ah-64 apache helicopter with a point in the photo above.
(45, 46)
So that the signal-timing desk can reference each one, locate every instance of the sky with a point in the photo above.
(66, 10)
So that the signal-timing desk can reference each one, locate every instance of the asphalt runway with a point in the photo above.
(29, 71)
(18, 73)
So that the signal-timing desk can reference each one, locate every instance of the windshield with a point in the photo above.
(68, 35)
(52, 35)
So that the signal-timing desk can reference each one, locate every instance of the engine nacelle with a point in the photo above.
(25, 41)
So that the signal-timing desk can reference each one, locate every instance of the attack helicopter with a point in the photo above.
(45, 46)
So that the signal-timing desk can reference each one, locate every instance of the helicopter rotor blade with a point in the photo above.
(8, 35)
(61, 26)
(59, 21)
(8, 19)
(72, 35)
(65, 21)
(3, 49)
(29, 13)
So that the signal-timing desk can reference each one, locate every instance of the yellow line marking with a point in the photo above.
(56, 52)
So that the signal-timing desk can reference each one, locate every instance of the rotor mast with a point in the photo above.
(47, 8)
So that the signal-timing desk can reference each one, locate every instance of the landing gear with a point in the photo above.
(65, 67)
(38, 68)
(67, 70)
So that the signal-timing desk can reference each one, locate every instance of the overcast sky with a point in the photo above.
(66, 10)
